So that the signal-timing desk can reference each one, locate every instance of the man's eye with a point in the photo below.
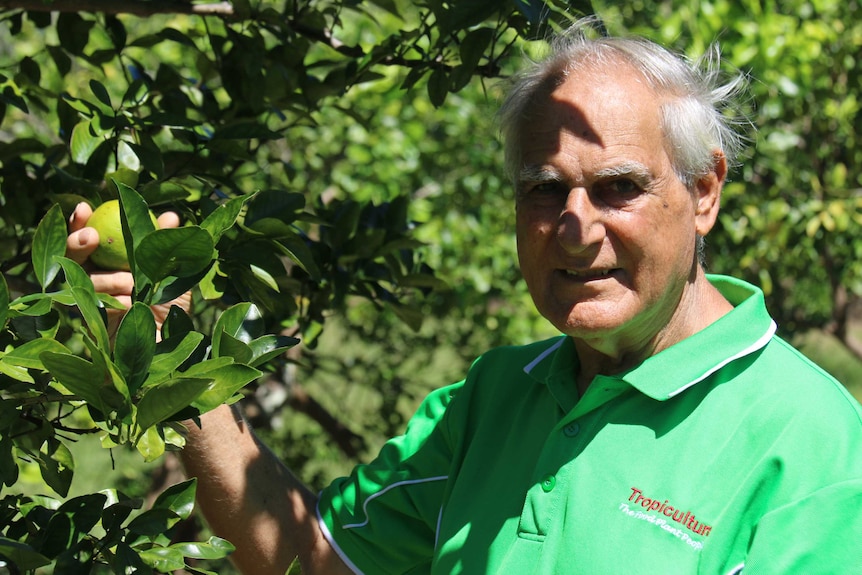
(619, 190)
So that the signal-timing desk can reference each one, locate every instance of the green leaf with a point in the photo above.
(22, 555)
(172, 352)
(8, 465)
(267, 347)
(137, 224)
(151, 445)
(438, 87)
(163, 559)
(274, 204)
(214, 548)
(100, 92)
(474, 45)
(85, 298)
(57, 467)
(177, 323)
(49, 241)
(227, 378)
(4, 302)
(77, 375)
(179, 498)
(229, 346)
(135, 345)
(84, 142)
(73, 32)
(28, 354)
(85, 511)
(153, 522)
(161, 401)
(177, 252)
(297, 250)
(223, 217)
(231, 322)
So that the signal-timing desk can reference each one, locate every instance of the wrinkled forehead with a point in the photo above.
(595, 103)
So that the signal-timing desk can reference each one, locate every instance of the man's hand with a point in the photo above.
(83, 240)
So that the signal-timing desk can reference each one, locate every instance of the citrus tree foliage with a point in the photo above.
(203, 116)
(792, 213)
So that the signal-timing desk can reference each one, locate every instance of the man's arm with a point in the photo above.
(251, 499)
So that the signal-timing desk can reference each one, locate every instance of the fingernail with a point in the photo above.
(83, 237)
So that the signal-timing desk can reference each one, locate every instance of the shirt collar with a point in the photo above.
(745, 330)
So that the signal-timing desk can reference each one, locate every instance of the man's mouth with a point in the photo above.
(586, 275)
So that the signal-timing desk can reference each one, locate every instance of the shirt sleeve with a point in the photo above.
(383, 517)
(817, 535)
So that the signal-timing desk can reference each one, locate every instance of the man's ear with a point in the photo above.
(707, 190)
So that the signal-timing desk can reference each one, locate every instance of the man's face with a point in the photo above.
(606, 231)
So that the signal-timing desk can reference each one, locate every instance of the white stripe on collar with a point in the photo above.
(760, 343)
(529, 367)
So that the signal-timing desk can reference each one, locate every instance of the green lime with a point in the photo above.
(111, 253)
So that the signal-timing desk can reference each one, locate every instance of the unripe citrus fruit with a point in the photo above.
(111, 253)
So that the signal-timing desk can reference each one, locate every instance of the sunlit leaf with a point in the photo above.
(179, 498)
(161, 401)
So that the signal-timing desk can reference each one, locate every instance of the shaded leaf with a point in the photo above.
(135, 345)
(78, 375)
(49, 241)
(22, 555)
(177, 252)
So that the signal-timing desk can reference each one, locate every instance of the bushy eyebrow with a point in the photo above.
(530, 174)
(633, 170)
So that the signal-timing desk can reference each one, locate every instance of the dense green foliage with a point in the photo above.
(234, 123)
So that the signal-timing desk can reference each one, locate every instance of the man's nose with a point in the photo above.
(581, 223)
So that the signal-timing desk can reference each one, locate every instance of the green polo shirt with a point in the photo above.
(728, 452)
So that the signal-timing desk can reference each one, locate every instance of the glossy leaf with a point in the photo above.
(177, 252)
(49, 242)
(160, 402)
(268, 347)
(179, 498)
(135, 345)
(163, 559)
(227, 379)
(223, 217)
(172, 352)
(214, 548)
(84, 295)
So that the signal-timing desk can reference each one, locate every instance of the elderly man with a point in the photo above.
(668, 430)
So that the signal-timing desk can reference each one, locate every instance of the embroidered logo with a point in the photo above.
(657, 512)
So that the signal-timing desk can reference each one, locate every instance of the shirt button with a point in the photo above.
(548, 483)
(571, 429)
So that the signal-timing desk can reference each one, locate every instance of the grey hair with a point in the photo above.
(702, 113)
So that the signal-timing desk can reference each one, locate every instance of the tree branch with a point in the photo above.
(135, 7)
